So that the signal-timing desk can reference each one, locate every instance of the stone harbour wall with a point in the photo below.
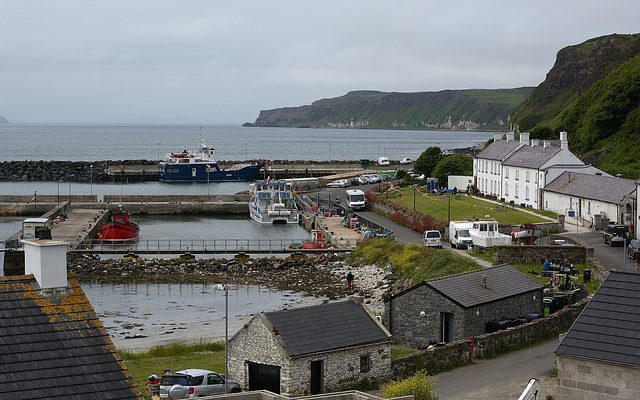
(578, 254)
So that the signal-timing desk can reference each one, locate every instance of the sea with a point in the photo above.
(97, 142)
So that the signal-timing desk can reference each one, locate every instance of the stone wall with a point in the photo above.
(487, 345)
(403, 315)
(580, 378)
(537, 254)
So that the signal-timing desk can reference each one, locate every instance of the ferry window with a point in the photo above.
(491, 228)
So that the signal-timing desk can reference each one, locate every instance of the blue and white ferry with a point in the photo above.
(200, 165)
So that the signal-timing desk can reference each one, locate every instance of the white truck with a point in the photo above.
(459, 236)
(383, 161)
(356, 199)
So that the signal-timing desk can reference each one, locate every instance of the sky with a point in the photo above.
(221, 62)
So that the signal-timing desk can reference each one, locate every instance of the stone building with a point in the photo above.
(310, 350)
(599, 357)
(451, 308)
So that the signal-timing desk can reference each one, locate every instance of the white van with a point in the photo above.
(433, 239)
(356, 199)
(459, 235)
(383, 161)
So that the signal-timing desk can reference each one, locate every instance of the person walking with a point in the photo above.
(349, 279)
(636, 256)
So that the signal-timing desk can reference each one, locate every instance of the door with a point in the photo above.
(215, 384)
(446, 327)
(265, 377)
(316, 377)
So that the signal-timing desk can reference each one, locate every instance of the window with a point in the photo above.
(506, 188)
(527, 178)
(365, 363)
(517, 174)
(526, 192)
(506, 173)
(517, 193)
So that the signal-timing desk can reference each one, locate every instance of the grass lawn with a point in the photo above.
(176, 357)
(463, 207)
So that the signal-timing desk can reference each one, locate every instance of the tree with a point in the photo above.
(427, 161)
(453, 164)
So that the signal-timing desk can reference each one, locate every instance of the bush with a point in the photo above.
(420, 385)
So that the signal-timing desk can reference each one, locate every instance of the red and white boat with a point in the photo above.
(119, 228)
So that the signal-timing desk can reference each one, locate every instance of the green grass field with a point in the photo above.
(461, 207)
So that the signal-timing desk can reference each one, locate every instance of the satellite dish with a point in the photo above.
(176, 392)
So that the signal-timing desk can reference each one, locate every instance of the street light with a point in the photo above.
(414, 198)
(59, 180)
(449, 217)
(35, 204)
(91, 178)
(246, 157)
(158, 150)
(220, 286)
(312, 170)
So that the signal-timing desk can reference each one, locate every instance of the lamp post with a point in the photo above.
(449, 214)
(246, 157)
(226, 331)
(158, 150)
(312, 170)
(414, 198)
(59, 180)
(91, 178)
(35, 204)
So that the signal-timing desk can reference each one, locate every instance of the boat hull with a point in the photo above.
(115, 231)
(200, 172)
(266, 216)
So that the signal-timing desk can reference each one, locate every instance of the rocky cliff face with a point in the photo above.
(575, 70)
(450, 109)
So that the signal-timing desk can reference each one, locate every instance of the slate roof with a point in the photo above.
(466, 290)
(55, 347)
(533, 156)
(326, 327)
(498, 149)
(609, 326)
(596, 187)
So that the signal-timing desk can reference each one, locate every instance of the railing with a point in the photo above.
(152, 246)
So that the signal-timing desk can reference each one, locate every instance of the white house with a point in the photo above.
(517, 171)
(580, 197)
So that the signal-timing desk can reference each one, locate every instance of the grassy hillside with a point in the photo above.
(476, 109)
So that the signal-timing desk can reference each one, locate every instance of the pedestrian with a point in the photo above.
(389, 266)
(349, 279)
(153, 386)
(636, 256)
(546, 266)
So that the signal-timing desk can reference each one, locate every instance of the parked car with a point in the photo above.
(340, 183)
(633, 246)
(405, 161)
(195, 383)
(615, 235)
(353, 181)
(433, 239)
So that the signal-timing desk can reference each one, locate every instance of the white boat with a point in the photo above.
(485, 234)
(273, 202)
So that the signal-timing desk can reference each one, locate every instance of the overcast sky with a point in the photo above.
(184, 61)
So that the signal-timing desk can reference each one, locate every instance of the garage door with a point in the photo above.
(264, 377)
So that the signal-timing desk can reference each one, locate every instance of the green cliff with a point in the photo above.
(476, 109)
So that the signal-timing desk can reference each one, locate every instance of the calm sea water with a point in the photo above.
(83, 142)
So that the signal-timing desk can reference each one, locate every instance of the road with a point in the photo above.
(609, 257)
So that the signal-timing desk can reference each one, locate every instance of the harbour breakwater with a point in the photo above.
(321, 276)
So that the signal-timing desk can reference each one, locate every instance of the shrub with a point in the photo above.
(420, 385)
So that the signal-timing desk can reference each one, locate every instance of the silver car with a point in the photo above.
(190, 383)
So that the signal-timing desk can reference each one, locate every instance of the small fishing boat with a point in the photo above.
(485, 234)
(273, 202)
(120, 228)
(527, 233)
(200, 165)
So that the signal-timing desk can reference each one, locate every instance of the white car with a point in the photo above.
(405, 161)
(340, 183)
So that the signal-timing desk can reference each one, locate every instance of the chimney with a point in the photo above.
(46, 260)
(534, 142)
(545, 144)
(510, 136)
(524, 138)
(484, 281)
(497, 136)
(564, 142)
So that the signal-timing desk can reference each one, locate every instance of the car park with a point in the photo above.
(615, 235)
(633, 246)
(191, 383)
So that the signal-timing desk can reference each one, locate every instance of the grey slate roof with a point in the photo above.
(498, 149)
(608, 329)
(326, 327)
(533, 156)
(596, 187)
(54, 347)
(466, 290)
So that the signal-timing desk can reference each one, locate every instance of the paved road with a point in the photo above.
(609, 257)
(503, 377)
